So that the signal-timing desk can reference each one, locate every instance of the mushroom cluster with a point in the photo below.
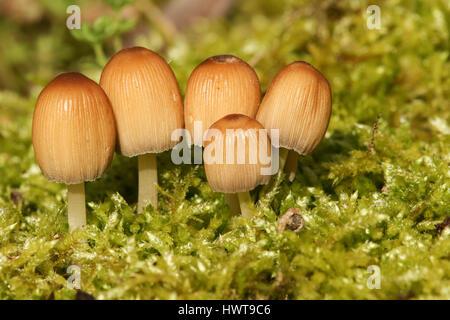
(138, 105)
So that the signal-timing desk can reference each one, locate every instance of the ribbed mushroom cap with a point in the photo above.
(298, 103)
(74, 133)
(219, 86)
(146, 100)
(244, 140)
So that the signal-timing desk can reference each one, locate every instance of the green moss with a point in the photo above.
(360, 208)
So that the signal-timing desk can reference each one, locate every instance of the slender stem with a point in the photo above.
(158, 19)
(282, 156)
(117, 43)
(247, 206)
(290, 167)
(148, 179)
(232, 201)
(99, 54)
(117, 40)
(76, 206)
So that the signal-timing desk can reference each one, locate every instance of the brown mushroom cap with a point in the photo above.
(74, 133)
(219, 86)
(298, 103)
(236, 177)
(146, 100)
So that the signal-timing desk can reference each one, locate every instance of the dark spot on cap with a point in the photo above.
(224, 58)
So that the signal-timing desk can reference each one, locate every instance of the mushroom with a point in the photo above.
(298, 103)
(147, 104)
(232, 158)
(74, 137)
(219, 86)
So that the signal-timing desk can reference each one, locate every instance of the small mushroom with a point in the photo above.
(148, 107)
(232, 158)
(298, 103)
(219, 86)
(74, 137)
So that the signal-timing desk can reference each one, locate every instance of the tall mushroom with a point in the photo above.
(233, 158)
(298, 103)
(219, 86)
(74, 137)
(147, 104)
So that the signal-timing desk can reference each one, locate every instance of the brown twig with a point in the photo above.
(371, 147)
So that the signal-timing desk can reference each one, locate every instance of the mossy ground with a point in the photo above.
(363, 204)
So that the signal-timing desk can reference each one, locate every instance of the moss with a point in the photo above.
(361, 206)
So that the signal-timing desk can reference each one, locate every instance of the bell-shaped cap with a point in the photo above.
(298, 103)
(219, 86)
(237, 150)
(146, 100)
(74, 132)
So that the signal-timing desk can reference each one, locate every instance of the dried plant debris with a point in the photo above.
(360, 209)
(441, 226)
(16, 197)
(291, 220)
(81, 295)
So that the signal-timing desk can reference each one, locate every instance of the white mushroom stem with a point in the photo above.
(76, 206)
(232, 201)
(290, 168)
(282, 157)
(148, 179)
(247, 207)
